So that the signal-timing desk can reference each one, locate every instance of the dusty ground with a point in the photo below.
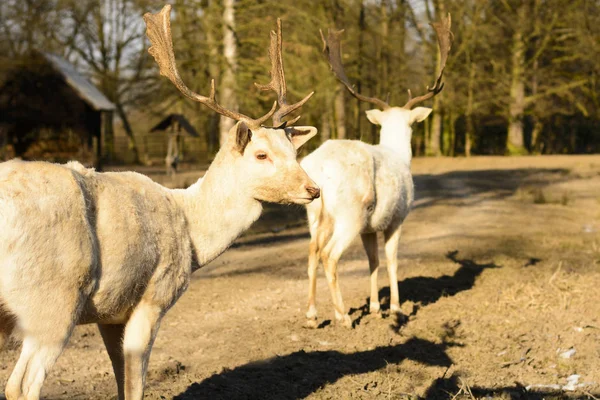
(499, 274)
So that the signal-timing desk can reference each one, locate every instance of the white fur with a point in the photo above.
(117, 249)
(365, 189)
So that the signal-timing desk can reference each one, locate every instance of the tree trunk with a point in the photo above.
(398, 77)
(448, 134)
(384, 55)
(436, 129)
(436, 121)
(340, 114)
(213, 133)
(470, 129)
(228, 97)
(452, 130)
(515, 141)
(426, 139)
(325, 130)
(537, 124)
(361, 33)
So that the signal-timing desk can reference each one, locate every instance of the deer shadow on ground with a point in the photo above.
(297, 375)
(452, 387)
(423, 290)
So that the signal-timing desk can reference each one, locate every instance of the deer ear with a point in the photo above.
(243, 134)
(300, 134)
(374, 116)
(418, 114)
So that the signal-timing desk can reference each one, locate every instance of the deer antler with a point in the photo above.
(444, 37)
(158, 30)
(277, 83)
(332, 49)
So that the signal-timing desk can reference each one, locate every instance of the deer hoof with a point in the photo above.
(374, 308)
(311, 313)
(311, 324)
(345, 321)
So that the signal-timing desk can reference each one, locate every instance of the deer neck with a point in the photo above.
(218, 209)
(396, 136)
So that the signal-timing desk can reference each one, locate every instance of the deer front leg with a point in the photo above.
(370, 244)
(140, 332)
(392, 237)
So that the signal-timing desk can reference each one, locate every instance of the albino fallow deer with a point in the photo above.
(365, 188)
(117, 249)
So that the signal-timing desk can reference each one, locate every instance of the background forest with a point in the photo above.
(522, 76)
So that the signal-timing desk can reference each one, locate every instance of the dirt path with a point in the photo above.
(499, 270)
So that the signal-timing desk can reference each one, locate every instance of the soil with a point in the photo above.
(499, 275)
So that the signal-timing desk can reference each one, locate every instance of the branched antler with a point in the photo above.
(158, 30)
(332, 49)
(444, 37)
(277, 83)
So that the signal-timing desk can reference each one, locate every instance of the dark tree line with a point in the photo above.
(522, 77)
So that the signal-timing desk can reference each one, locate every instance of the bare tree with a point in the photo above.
(228, 84)
(111, 45)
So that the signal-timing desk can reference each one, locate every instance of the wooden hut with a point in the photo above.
(176, 127)
(44, 93)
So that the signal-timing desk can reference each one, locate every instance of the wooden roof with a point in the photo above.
(171, 119)
(83, 87)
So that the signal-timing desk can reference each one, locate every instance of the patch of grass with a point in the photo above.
(539, 197)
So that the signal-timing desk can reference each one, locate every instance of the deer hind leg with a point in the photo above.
(35, 361)
(140, 332)
(392, 238)
(313, 262)
(369, 241)
(320, 231)
(45, 335)
(342, 237)
(112, 335)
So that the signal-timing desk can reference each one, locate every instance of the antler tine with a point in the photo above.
(158, 30)
(277, 83)
(444, 38)
(332, 49)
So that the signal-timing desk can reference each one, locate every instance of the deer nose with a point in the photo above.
(314, 192)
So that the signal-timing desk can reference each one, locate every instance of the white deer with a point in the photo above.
(117, 249)
(365, 188)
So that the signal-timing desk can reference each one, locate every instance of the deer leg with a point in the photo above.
(320, 231)
(13, 388)
(112, 335)
(392, 238)
(313, 262)
(336, 295)
(140, 332)
(47, 318)
(341, 239)
(369, 241)
(39, 353)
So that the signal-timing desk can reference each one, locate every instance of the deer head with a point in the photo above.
(264, 158)
(395, 122)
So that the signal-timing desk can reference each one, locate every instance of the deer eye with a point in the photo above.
(261, 156)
